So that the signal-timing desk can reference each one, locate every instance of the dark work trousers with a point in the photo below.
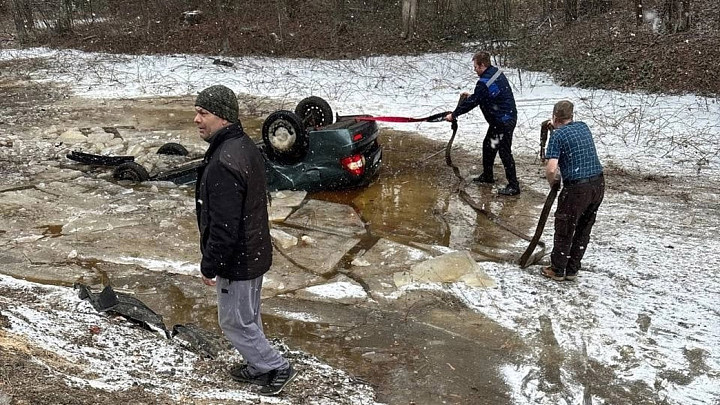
(239, 318)
(499, 140)
(574, 219)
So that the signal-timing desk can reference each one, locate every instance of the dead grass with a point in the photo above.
(27, 377)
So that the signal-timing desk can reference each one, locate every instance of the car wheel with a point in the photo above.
(131, 171)
(172, 148)
(284, 135)
(314, 112)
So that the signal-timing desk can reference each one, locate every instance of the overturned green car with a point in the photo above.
(306, 149)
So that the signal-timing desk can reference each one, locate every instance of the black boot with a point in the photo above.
(509, 190)
(483, 179)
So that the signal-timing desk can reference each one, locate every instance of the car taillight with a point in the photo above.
(354, 164)
(357, 137)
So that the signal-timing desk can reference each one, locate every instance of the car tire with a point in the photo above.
(172, 148)
(131, 171)
(314, 112)
(285, 136)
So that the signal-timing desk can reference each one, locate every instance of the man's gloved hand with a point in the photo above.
(546, 129)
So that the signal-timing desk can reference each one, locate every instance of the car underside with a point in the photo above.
(303, 150)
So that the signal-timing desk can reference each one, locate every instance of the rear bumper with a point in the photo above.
(373, 161)
(331, 176)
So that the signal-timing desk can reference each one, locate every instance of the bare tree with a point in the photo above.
(65, 17)
(445, 9)
(445, 6)
(677, 15)
(409, 14)
(23, 18)
(593, 7)
(548, 6)
(340, 25)
(571, 10)
(499, 15)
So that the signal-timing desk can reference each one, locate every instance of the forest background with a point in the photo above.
(665, 46)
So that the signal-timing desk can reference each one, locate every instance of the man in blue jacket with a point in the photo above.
(231, 206)
(495, 97)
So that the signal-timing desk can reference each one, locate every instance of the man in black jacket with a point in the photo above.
(494, 96)
(231, 207)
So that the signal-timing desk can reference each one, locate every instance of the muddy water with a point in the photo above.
(425, 345)
(405, 201)
(410, 199)
(415, 200)
(432, 353)
(426, 353)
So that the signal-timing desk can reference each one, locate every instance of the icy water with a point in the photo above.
(415, 193)
(417, 345)
(625, 332)
(415, 200)
(412, 201)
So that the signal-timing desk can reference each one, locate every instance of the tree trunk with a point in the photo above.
(65, 17)
(638, 12)
(498, 14)
(446, 6)
(593, 7)
(23, 18)
(571, 11)
(548, 7)
(445, 9)
(677, 15)
(409, 14)
(341, 27)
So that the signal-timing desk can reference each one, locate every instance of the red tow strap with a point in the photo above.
(439, 117)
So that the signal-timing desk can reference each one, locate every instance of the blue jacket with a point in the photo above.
(496, 102)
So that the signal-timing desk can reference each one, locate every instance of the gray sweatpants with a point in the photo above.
(239, 318)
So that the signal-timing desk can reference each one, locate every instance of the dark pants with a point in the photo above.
(499, 140)
(574, 219)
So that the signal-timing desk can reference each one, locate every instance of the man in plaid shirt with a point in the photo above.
(571, 154)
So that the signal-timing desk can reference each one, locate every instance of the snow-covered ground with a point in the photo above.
(648, 133)
(121, 357)
(646, 306)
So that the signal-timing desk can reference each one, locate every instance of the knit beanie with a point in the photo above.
(220, 101)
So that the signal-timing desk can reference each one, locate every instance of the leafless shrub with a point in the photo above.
(661, 129)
